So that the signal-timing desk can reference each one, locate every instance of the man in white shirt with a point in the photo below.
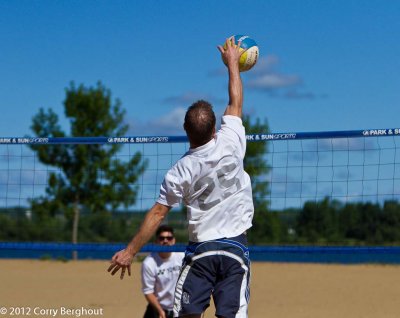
(160, 272)
(211, 182)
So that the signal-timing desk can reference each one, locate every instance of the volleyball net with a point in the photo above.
(357, 166)
(349, 166)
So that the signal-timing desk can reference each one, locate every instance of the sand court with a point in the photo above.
(278, 290)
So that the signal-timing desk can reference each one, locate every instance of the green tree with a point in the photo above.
(349, 221)
(370, 227)
(391, 221)
(318, 221)
(267, 226)
(89, 178)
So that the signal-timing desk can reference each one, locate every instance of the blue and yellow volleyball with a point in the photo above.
(250, 57)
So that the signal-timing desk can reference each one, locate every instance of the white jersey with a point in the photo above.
(159, 277)
(211, 182)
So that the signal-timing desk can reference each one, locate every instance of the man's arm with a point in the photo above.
(231, 54)
(123, 259)
(153, 301)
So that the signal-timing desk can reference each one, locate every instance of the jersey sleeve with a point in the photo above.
(171, 192)
(232, 128)
(148, 279)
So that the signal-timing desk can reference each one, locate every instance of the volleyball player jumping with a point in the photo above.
(210, 180)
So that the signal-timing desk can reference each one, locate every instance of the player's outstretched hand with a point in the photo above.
(231, 52)
(121, 260)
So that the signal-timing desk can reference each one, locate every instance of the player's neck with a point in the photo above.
(165, 255)
(193, 146)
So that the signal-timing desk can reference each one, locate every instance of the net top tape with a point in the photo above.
(179, 139)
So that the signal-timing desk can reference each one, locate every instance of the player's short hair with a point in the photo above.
(164, 228)
(200, 122)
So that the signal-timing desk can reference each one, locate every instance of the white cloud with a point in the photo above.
(188, 98)
(266, 77)
(272, 81)
(167, 124)
(266, 64)
(171, 123)
(295, 94)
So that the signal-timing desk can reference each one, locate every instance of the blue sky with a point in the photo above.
(325, 65)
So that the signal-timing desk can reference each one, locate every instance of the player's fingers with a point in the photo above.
(129, 270)
(243, 50)
(116, 269)
(122, 273)
(111, 267)
(220, 48)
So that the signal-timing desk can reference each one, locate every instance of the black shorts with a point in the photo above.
(151, 312)
(220, 268)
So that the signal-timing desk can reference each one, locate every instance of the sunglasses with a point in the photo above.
(162, 238)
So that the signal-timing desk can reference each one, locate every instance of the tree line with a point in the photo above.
(327, 222)
(330, 222)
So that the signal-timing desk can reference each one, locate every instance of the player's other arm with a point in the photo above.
(231, 54)
(153, 301)
(123, 259)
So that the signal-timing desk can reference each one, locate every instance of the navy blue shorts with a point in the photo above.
(218, 268)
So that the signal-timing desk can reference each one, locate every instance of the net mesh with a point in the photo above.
(349, 169)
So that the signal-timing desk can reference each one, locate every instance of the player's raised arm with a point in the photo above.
(231, 55)
(123, 259)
